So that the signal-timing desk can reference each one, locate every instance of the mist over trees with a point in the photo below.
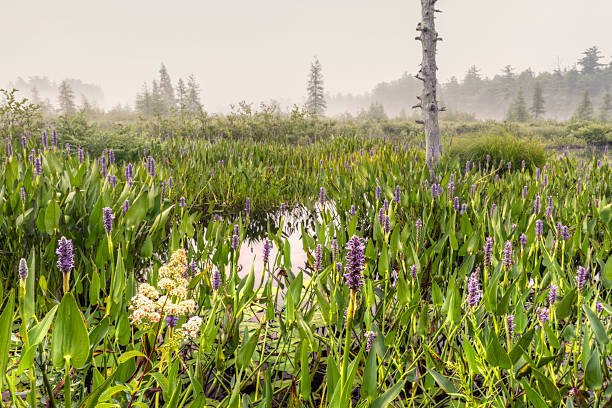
(315, 101)
(162, 97)
(546, 95)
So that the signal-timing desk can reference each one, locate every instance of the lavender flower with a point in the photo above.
(23, 270)
(266, 250)
(355, 263)
(172, 320)
(523, 240)
(44, 141)
(37, 166)
(65, 257)
(22, 194)
(553, 293)
(397, 196)
(235, 242)
(318, 262)
(539, 228)
(524, 192)
(352, 210)
(216, 280)
(107, 219)
(511, 325)
(413, 271)
(474, 295)
(378, 193)
(507, 255)
(80, 155)
(125, 207)
(488, 249)
(151, 166)
(536, 205)
(322, 196)
(456, 204)
(334, 248)
(565, 233)
(369, 336)
(182, 202)
(542, 313)
(247, 205)
(581, 277)
(387, 224)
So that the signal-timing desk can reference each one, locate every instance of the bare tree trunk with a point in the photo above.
(429, 99)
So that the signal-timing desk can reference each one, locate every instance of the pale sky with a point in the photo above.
(258, 50)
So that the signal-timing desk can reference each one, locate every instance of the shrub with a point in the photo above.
(591, 133)
(500, 147)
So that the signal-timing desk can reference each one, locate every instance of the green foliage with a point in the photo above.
(591, 133)
(584, 111)
(517, 112)
(500, 148)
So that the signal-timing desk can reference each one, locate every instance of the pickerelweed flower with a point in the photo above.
(537, 174)
(413, 271)
(549, 208)
(170, 182)
(581, 277)
(507, 255)
(235, 242)
(322, 196)
(473, 292)
(488, 249)
(22, 194)
(463, 209)
(23, 270)
(511, 325)
(525, 192)
(523, 165)
(456, 204)
(369, 336)
(381, 216)
(352, 210)
(539, 228)
(65, 257)
(44, 141)
(318, 261)
(553, 293)
(111, 157)
(355, 263)
(523, 240)
(80, 155)
(182, 202)
(467, 166)
(37, 166)
(24, 141)
(509, 166)
(54, 138)
(378, 193)
(172, 320)
(493, 207)
(266, 250)
(473, 189)
(334, 248)
(107, 219)
(247, 205)
(536, 205)
(283, 208)
(151, 166)
(397, 196)
(543, 315)
(419, 226)
(565, 233)
(559, 228)
(103, 165)
(386, 204)
(599, 307)
(216, 280)
(387, 224)
(125, 207)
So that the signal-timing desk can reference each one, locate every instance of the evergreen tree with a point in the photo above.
(508, 80)
(157, 99)
(585, 109)
(193, 103)
(181, 94)
(85, 105)
(143, 101)
(606, 108)
(538, 107)
(165, 88)
(66, 98)
(315, 103)
(518, 109)
(590, 62)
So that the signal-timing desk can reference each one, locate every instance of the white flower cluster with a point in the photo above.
(169, 298)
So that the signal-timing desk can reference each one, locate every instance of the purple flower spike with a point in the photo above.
(65, 257)
(523, 240)
(474, 295)
(24, 141)
(283, 208)
(216, 280)
(322, 196)
(536, 205)
(125, 207)
(369, 336)
(352, 210)
(508, 255)
(599, 306)
(581, 277)
(525, 192)
(111, 157)
(107, 219)
(386, 204)
(456, 204)
(463, 209)
(22, 194)
(172, 320)
(387, 224)
(473, 189)
(247, 205)
(23, 269)
(378, 193)
(80, 155)
(413, 271)
(54, 138)
(266, 250)
(511, 325)
(493, 207)
(37, 166)
(182, 202)
(44, 141)
(397, 196)
(235, 242)
(565, 233)
(355, 263)
(151, 166)
(553, 293)
(334, 248)
(539, 228)
(488, 249)
(543, 315)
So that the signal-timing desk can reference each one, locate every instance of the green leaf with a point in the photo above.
(137, 211)
(243, 358)
(547, 387)
(596, 326)
(495, 354)
(305, 372)
(29, 305)
(92, 399)
(592, 374)
(370, 380)
(52, 216)
(446, 384)
(533, 396)
(128, 355)
(608, 268)
(94, 288)
(389, 395)
(565, 305)
(37, 333)
(471, 355)
(70, 338)
(118, 279)
(6, 324)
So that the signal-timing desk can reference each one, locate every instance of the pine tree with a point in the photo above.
(518, 109)
(157, 99)
(66, 98)
(315, 103)
(143, 101)
(538, 107)
(193, 95)
(165, 88)
(606, 108)
(585, 109)
(181, 94)
(590, 62)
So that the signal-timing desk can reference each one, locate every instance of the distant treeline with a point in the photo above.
(563, 93)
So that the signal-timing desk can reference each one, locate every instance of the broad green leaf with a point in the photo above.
(370, 380)
(596, 326)
(446, 384)
(592, 374)
(37, 333)
(52, 216)
(495, 354)
(533, 396)
(243, 357)
(389, 395)
(6, 324)
(70, 339)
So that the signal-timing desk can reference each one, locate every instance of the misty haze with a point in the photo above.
(346, 204)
